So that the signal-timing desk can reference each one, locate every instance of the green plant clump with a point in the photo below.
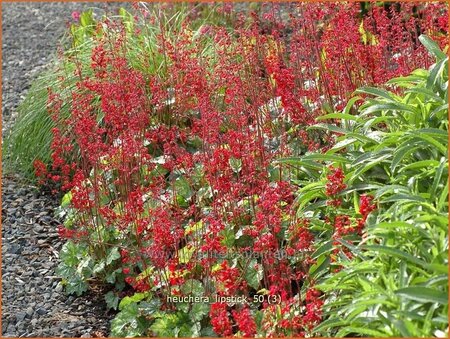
(394, 283)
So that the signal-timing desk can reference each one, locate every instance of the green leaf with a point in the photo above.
(432, 47)
(195, 228)
(361, 331)
(341, 144)
(440, 112)
(151, 307)
(364, 303)
(410, 80)
(235, 164)
(405, 197)
(66, 200)
(391, 106)
(193, 287)
(342, 116)
(112, 300)
(377, 120)
(394, 224)
(195, 329)
(322, 263)
(76, 285)
(113, 255)
(65, 271)
(72, 253)
(99, 267)
(208, 332)
(162, 327)
(431, 141)
(443, 199)
(435, 133)
(329, 323)
(401, 152)
(391, 189)
(378, 92)
(351, 104)
(127, 19)
(329, 127)
(182, 191)
(127, 323)
(326, 157)
(400, 325)
(370, 164)
(254, 274)
(420, 164)
(427, 93)
(435, 72)
(362, 138)
(424, 294)
(86, 18)
(229, 237)
(172, 325)
(185, 254)
(361, 187)
(396, 253)
(199, 311)
(438, 268)
(304, 198)
(125, 302)
(324, 248)
(297, 161)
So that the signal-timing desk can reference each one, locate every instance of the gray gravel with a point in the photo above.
(33, 303)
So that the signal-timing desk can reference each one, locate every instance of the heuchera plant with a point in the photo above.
(168, 157)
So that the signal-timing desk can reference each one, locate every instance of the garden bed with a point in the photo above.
(236, 171)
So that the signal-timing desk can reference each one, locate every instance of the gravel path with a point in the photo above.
(33, 303)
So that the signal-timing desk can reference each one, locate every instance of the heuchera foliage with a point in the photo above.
(174, 166)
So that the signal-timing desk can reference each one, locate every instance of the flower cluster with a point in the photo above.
(246, 323)
(343, 224)
(366, 206)
(220, 320)
(335, 185)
